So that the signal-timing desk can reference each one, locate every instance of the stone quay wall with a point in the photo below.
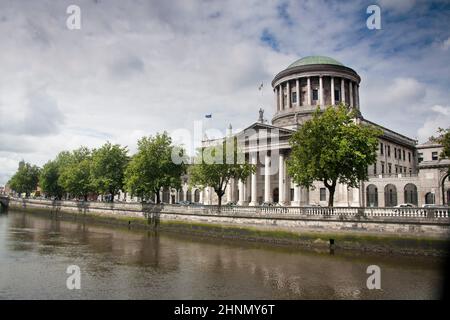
(419, 222)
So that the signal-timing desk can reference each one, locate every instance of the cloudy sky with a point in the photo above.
(140, 67)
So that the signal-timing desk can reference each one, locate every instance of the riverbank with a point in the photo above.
(291, 232)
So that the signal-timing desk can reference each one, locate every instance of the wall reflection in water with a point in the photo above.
(125, 264)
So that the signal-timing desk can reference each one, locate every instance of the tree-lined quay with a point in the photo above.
(332, 147)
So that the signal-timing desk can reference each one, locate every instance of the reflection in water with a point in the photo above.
(121, 264)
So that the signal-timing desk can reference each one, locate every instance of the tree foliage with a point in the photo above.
(108, 167)
(49, 180)
(332, 148)
(26, 178)
(443, 139)
(152, 167)
(212, 167)
(75, 174)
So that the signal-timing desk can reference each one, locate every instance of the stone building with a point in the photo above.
(404, 172)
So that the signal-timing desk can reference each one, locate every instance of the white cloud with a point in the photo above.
(143, 67)
(446, 44)
(439, 118)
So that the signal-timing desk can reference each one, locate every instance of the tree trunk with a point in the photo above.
(331, 199)
(331, 189)
(112, 196)
(158, 200)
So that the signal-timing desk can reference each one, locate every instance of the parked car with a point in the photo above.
(405, 205)
(271, 204)
(430, 205)
(185, 203)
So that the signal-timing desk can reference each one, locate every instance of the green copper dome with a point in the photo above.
(314, 60)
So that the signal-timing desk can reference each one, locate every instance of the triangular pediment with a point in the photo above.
(257, 126)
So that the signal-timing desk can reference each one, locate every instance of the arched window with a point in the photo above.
(166, 195)
(390, 195)
(189, 196)
(275, 195)
(429, 198)
(411, 194)
(197, 195)
(181, 193)
(372, 195)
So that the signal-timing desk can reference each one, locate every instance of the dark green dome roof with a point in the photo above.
(314, 60)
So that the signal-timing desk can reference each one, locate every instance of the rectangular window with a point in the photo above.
(389, 151)
(404, 158)
(292, 194)
(395, 153)
(294, 97)
(315, 95)
(337, 95)
(389, 168)
(323, 194)
(420, 157)
(409, 156)
(375, 168)
(396, 169)
(381, 148)
(434, 155)
(382, 167)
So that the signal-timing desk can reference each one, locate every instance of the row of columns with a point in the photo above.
(353, 87)
(300, 194)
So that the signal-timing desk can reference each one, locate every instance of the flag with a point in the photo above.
(261, 86)
(209, 116)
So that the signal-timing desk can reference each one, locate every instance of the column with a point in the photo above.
(242, 200)
(350, 85)
(288, 95)
(304, 196)
(342, 90)
(321, 91)
(308, 93)
(201, 196)
(357, 95)
(280, 97)
(297, 85)
(267, 193)
(332, 91)
(254, 185)
(184, 194)
(281, 179)
(355, 198)
(296, 202)
(229, 191)
(275, 93)
(170, 196)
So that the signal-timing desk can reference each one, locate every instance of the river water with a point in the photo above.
(116, 263)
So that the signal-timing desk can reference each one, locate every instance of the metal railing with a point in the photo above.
(349, 212)
(429, 213)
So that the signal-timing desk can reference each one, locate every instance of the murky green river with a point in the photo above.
(117, 263)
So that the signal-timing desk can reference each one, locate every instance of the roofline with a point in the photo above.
(315, 67)
(413, 141)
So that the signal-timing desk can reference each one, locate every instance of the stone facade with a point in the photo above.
(403, 173)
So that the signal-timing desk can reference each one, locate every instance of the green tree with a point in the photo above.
(75, 173)
(443, 139)
(214, 167)
(26, 178)
(108, 168)
(333, 148)
(152, 167)
(48, 180)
